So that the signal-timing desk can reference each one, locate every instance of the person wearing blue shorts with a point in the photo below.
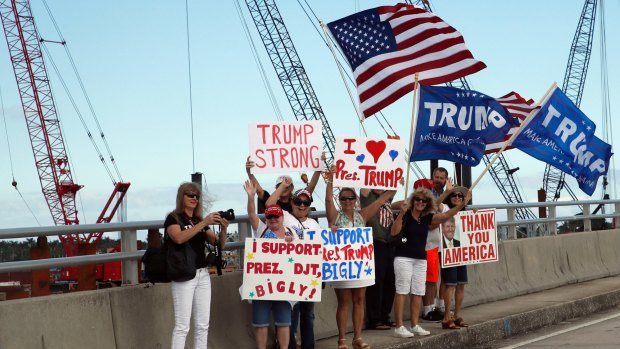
(454, 280)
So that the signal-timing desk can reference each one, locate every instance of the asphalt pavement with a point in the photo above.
(505, 318)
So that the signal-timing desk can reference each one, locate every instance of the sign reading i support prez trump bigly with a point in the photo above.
(470, 239)
(286, 146)
(369, 163)
(278, 270)
(348, 253)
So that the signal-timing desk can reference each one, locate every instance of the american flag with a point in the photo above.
(387, 45)
(520, 109)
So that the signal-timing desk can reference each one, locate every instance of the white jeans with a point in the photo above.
(192, 299)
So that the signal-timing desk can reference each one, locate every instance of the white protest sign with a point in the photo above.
(286, 146)
(348, 254)
(278, 270)
(473, 237)
(369, 163)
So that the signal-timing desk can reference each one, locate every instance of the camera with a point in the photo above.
(229, 214)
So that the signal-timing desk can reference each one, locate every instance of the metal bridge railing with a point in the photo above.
(130, 255)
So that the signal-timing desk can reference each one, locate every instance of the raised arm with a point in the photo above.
(251, 191)
(443, 195)
(248, 168)
(273, 199)
(442, 217)
(370, 210)
(398, 222)
(315, 177)
(330, 208)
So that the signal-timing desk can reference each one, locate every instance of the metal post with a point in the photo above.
(512, 229)
(552, 227)
(129, 243)
(587, 222)
(244, 232)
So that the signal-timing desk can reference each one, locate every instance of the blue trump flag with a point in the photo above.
(456, 125)
(562, 135)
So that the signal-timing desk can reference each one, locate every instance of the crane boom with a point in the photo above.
(289, 68)
(38, 105)
(574, 82)
(43, 125)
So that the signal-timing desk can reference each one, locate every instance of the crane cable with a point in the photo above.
(92, 110)
(8, 144)
(414, 166)
(78, 112)
(189, 73)
(259, 64)
(606, 112)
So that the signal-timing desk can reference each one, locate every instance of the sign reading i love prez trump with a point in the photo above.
(286, 146)
(369, 163)
(278, 270)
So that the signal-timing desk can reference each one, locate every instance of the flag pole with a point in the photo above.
(357, 110)
(525, 122)
(413, 117)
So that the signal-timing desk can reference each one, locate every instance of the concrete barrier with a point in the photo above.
(141, 316)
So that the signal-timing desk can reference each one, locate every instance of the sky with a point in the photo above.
(132, 59)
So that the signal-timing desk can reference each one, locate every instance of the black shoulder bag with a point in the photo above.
(171, 262)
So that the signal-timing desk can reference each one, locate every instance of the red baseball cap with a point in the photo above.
(423, 183)
(274, 210)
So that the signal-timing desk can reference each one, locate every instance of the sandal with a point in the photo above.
(379, 326)
(460, 323)
(342, 343)
(449, 325)
(360, 344)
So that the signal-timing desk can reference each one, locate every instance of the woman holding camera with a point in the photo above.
(192, 298)
(272, 228)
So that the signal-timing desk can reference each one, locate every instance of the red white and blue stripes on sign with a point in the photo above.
(387, 45)
(520, 108)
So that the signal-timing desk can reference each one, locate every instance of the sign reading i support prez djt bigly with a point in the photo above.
(348, 253)
(286, 146)
(369, 163)
(278, 270)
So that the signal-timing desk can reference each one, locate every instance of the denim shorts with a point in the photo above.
(261, 309)
(454, 275)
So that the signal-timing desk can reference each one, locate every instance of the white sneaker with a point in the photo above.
(402, 332)
(418, 330)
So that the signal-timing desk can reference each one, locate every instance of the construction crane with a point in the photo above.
(574, 81)
(289, 68)
(47, 142)
(501, 172)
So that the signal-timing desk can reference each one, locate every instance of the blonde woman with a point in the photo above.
(414, 218)
(350, 290)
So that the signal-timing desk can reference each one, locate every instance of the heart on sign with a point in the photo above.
(375, 149)
(360, 158)
(393, 154)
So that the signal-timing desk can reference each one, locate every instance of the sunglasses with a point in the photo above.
(192, 195)
(347, 198)
(300, 202)
(457, 195)
(272, 216)
(424, 200)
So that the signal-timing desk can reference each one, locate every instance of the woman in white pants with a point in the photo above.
(192, 298)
